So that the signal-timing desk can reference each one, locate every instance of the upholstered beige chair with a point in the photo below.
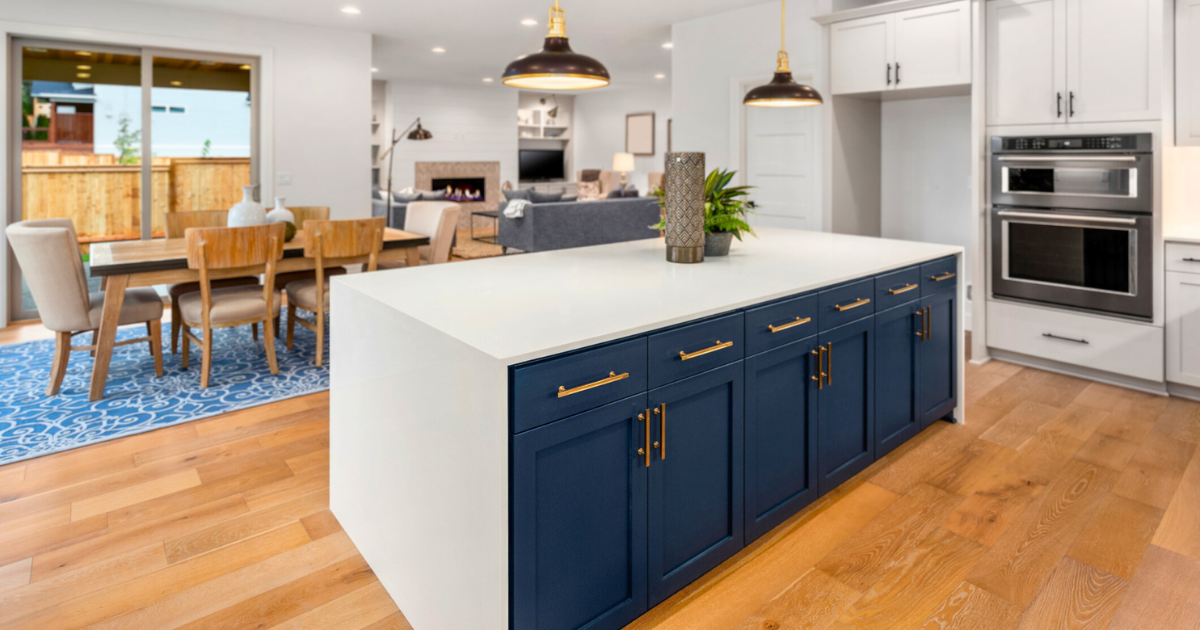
(436, 219)
(256, 249)
(327, 241)
(48, 253)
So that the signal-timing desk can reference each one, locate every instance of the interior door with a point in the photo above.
(779, 149)
(933, 46)
(860, 55)
(1026, 62)
(1111, 75)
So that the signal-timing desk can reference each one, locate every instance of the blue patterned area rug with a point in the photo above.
(33, 424)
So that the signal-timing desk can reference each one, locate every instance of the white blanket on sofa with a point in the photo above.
(516, 208)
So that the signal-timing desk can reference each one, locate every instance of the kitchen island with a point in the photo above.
(567, 438)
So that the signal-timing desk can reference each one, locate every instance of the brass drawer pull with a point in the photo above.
(819, 377)
(684, 356)
(945, 276)
(645, 418)
(829, 364)
(921, 324)
(904, 289)
(788, 325)
(860, 302)
(613, 377)
(661, 444)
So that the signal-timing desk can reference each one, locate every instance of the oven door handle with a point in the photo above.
(1067, 217)
(1066, 158)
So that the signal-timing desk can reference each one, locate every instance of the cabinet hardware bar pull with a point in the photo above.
(829, 365)
(644, 418)
(1067, 217)
(860, 302)
(661, 412)
(788, 325)
(1071, 105)
(897, 73)
(1191, 260)
(945, 276)
(819, 377)
(904, 289)
(921, 325)
(613, 377)
(1059, 115)
(684, 356)
(1054, 336)
(928, 321)
(889, 74)
(1071, 158)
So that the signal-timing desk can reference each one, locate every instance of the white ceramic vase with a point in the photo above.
(280, 214)
(247, 212)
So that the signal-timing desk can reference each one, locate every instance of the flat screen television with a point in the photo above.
(541, 164)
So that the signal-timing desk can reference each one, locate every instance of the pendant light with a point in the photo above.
(783, 91)
(556, 67)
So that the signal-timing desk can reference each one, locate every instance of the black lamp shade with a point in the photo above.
(556, 67)
(420, 133)
(783, 91)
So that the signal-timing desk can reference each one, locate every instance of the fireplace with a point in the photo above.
(461, 188)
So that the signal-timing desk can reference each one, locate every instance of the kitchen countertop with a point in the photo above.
(1183, 236)
(523, 307)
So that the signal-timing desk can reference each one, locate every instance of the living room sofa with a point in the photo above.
(563, 225)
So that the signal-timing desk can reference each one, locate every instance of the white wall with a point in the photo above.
(600, 128)
(468, 123)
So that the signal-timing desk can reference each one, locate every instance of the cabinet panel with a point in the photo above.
(938, 376)
(579, 521)
(1183, 328)
(860, 53)
(897, 361)
(780, 323)
(1113, 71)
(696, 478)
(933, 46)
(1187, 72)
(535, 388)
(781, 435)
(666, 363)
(1026, 61)
(846, 405)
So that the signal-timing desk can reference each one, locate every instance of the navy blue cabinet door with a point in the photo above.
(781, 435)
(696, 478)
(939, 378)
(897, 357)
(579, 521)
(846, 403)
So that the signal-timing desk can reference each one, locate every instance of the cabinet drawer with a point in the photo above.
(693, 349)
(564, 386)
(939, 275)
(846, 303)
(1109, 345)
(1183, 257)
(775, 325)
(897, 287)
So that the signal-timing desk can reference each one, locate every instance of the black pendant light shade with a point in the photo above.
(783, 91)
(556, 66)
(420, 133)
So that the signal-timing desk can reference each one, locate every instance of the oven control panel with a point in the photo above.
(1134, 142)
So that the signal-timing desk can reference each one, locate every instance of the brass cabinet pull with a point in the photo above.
(684, 356)
(926, 318)
(613, 377)
(819, 377)
(661, 444)
(829, 365)
(857, 304)
(921, 324)
(644, 418)
(904, 289)
(945, 276)
(788, 325)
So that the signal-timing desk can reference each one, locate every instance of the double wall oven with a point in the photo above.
(1072, 222)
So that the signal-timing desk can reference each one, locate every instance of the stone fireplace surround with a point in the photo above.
(426, 172)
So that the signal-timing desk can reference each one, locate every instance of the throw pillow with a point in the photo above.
(541, 197)
(405, 197)
(520, 193)
(614, 194)
(435, 195)
(569, 198)
(630, 191)
(589, 191)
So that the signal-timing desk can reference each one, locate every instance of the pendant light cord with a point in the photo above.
(782, 57)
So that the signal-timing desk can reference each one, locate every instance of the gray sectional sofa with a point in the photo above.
(567, 224)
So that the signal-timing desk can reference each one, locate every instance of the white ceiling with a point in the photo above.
(482, 36)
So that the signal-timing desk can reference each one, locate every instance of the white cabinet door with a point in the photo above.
(1187, 72)
(1026, 61)
(1114, 72)
(933, 46)
(1183, 328)
(860, 55)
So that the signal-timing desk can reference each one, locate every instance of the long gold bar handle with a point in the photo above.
(945, 276)
(928, 317)
(904, 289)
(829, 366)
(613, 377)
(644, 418)
(788, 325)
(684, 356)
(661, 444)
(860, 302)
(819, 377)
(921, 324)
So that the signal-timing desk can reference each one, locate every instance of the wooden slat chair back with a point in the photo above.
(179, 222)
(330, 243)
(309, 213)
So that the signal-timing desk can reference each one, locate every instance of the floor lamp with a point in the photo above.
(419, 133)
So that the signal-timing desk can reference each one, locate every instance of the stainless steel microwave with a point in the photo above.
(1081, 172)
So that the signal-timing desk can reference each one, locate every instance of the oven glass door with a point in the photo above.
(1060, 180)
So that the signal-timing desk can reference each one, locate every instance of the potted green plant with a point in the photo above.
(725, 212)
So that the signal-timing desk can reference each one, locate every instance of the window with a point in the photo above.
(168, 109)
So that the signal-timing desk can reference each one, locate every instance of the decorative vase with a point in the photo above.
(684, 202)
(247, 212)
(717, 243)
(280, 214)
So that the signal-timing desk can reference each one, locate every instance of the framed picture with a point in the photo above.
(639, 133)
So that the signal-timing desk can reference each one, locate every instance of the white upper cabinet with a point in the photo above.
(1187, 73)
(1071, 61)
(917, 48)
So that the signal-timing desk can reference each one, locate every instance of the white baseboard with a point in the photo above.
(1150, 387)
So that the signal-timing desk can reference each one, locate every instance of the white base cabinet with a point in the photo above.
(1183, 314)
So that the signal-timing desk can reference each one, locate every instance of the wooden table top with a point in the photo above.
(164, 254)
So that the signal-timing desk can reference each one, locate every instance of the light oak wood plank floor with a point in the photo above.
(1059, 504)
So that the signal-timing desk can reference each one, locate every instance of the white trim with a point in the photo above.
(875, 9)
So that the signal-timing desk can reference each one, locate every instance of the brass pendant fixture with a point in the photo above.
(556, 66)
(783, 91)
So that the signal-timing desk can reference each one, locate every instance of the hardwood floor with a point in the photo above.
(1060, 504)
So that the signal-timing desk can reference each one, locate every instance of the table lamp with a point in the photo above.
(623, 163)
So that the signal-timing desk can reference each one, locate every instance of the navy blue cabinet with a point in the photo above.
(846, 410)
(897, 375)
(938, 389)
(579, 520)
(696, 478)
(781, 434)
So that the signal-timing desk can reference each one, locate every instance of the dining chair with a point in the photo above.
(177, 224)
(436, 219)
(329, 241)
(303, 214)
(254, 249)
(48, 252)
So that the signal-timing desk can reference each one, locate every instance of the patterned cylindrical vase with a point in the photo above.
(684, 231)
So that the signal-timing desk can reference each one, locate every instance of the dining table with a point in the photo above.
(126, 264)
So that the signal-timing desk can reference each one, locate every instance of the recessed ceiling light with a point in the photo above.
(84, 75)
(81, 67)
(487, 79)
(668, 45)
(177, 83)
(374, 69)
(529, 22)
(660, 76)
(83, 53)
(351, 10)
(245, 66)
(438, 49)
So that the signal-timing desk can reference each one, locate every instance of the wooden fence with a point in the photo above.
(103, 198)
